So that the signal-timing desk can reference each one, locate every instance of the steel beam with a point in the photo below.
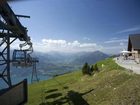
(12, 21)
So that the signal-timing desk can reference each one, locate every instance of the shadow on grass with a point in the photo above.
(59, 101)
(54, 95)
(77, 99)
(52, 90)
(71, 98)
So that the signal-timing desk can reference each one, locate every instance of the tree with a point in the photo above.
(86, 69)
(92, 68)
(96, 67)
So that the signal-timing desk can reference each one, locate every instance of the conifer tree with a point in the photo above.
(86, 69)
(96, 67)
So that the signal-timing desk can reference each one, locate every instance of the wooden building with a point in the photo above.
(134, 46)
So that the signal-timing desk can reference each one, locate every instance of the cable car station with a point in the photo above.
(10, 30)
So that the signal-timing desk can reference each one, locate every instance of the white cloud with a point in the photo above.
(74, 43)
(128, 30)
(49, 41)
(53, 43)
(116, 41)
(88, 45)
(47, 45)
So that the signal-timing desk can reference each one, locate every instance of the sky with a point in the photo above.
(79, 25)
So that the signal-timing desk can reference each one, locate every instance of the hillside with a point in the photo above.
(56, 61)
(113, 85)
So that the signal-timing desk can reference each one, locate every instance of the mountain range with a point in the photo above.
(56, 63)
(62, 62)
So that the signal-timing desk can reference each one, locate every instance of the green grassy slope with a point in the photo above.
(113, 85)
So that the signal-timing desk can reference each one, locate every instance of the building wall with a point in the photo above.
(136, 55)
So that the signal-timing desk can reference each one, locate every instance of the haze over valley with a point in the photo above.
(57, 63)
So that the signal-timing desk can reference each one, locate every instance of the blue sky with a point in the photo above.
(80, 25)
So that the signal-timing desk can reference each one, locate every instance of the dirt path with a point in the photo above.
(128, 64)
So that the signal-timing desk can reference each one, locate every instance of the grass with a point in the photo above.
(113, 85)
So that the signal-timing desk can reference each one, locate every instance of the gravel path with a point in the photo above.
(128, 64)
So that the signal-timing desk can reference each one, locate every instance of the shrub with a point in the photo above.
(96, 68)
(86, 69)
(92, 68)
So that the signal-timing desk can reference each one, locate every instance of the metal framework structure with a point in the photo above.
(5, 58)
(10, 30)
(34, 77)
